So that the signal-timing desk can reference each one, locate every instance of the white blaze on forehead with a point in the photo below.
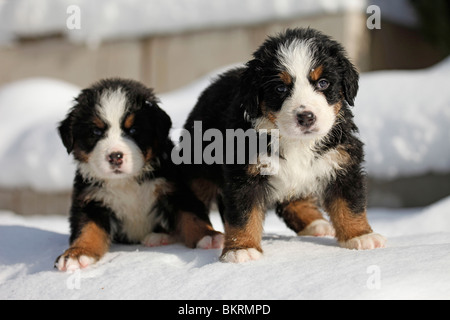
(111, 106)
(296, 58)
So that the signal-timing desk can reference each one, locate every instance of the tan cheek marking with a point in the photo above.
(337, 108)
(148, 155)
(80, 155)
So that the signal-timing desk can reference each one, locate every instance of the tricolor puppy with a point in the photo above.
(125, 188)
(301, 84)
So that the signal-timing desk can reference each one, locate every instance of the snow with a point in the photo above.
(404, 120)
(103, 20)
(414, 265)
(30, 148)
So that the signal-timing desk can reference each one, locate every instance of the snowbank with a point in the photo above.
(414, 265)
(403, 117)
(31, 153)
(105, 19)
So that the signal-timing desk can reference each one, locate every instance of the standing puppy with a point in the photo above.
(300, 84)
(125, 187)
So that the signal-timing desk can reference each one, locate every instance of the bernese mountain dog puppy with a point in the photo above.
(126, 188)
(299, 85)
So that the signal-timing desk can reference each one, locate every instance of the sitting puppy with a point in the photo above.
(125, 188)
(300, 85)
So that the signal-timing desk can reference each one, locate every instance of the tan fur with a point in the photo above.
(191, 229)
(347, 224)
(316, 73)
(248, 236)
(299, 214)
(92, 242)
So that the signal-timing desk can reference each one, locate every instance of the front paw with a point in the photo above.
(365, 242)
(74, 259)
(241, 255)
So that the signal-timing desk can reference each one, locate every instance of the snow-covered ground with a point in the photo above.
(404, 119)
(415, 264)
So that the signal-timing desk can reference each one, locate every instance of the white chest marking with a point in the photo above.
(301, 173)
(132, 203)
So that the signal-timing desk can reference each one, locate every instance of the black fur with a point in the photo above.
(80, 133)
(238, 97)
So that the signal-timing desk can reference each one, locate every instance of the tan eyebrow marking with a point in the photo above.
(316, 73)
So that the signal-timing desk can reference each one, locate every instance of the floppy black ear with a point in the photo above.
(66, 132)
(350, 82)
(250, 87)
(161, 123)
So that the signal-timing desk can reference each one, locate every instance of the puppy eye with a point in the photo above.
(282, 89)
(323, 84)
(97, 132)
(132, 131)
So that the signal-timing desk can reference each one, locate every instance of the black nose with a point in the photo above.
(116, 159)
(306, 119)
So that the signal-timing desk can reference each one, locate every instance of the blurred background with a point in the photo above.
(50, 49)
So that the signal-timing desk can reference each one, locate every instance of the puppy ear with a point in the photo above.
(161, 123)
(164, 124)
(249, 88)
(350, 82)
(85, 98)
(66, 132)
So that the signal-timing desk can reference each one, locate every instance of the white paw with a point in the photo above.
(318, 228)
(365, 242)
(69, 264)
(212, 242)
(241, 256)
(157, 239)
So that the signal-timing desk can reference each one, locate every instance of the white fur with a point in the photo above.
(318, 228)
(365, 242)
(72, 265)
(111, 108)
(212, 242)
(132, 203)
(241, 256)
(300, 172)
(157, 239)
(297, 59)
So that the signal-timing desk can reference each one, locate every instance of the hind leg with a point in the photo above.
(196, 232)
(304, 217)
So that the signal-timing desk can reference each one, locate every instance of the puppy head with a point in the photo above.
(115, 130)
(298, 83)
